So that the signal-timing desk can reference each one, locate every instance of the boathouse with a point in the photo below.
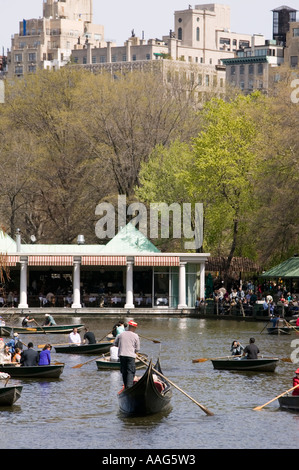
(128, 272)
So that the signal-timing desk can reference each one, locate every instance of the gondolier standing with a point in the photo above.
(128, 344)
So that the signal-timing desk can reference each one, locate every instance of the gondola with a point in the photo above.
(104, 363)
(96, 348)
(289, 402)
(52, 371)
(35, 329)
(9, 395)
(257, 365)
(280, 330)
(147, 396)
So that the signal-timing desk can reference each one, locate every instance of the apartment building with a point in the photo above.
(253, 67)
(250, 69)
(201, 35)
(47, 42)
(292, 46)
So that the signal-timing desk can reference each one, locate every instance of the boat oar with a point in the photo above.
(150, 339)
(40, 327)
(204, 359)
(264, 327)
(291, 326)
(260, 407)
(106, 336)
(176, 386)
(6, 381)
(90, 360)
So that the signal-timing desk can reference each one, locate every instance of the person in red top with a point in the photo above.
(296, 382)
(297, 322)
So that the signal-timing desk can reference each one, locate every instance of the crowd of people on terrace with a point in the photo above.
(244, 297)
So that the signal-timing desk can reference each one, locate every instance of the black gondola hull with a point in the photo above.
(144, 398)
(9, 395)
(290, 402)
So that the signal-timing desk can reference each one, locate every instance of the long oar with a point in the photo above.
(90, 360)
(264, 327)
(150, 339)
(6, 381)
(40, 327)
(291, 326)
(176, 386)
(260, 407)
(204, 359)
(106, 336)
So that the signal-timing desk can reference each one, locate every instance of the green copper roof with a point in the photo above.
(289, 269)
(129, 240)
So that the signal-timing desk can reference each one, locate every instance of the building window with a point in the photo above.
(225, 41)
(148, 57)
(114, 58)
(243, 44)
(296, 32)
(251, 69)
(180, 34)
(102, 59)
(76, 60)
(233, 70)
(19, 70)
(294, 61)
(32, 57)
(242, 69)
(18, 57)
(134, 57)
(84, 60)
(199, 79)
(124, 59)
(207, 80)
(197, 34)
(260, 69)
(32, 68)
(94, 59)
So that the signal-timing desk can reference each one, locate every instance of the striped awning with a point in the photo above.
(104, 260)
(50, 260)
(157, 261)
(9, 260)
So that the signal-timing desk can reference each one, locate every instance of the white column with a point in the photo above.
(182, 286)
(23, 283)
(76, 283)
(202, 281)
(129, 285)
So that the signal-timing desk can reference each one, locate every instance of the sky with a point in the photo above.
(149, 18)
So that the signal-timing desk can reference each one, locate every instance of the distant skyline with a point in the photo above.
(152, 19)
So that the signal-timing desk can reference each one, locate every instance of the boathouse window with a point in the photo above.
(180, 34)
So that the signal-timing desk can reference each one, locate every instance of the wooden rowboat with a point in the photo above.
(9, 395)
(289, 402)
(59, 329)
(52, 371)
(96, 348)
(147, 396)
(104, 363)
(283, 330)
(257, 365)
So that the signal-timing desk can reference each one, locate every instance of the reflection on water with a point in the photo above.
(81, 408)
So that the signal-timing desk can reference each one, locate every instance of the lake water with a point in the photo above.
(80, 410)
